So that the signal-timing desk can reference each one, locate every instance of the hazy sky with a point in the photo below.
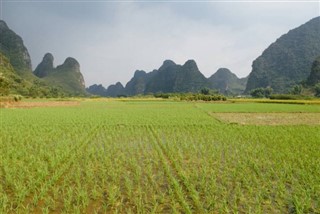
(112, 39)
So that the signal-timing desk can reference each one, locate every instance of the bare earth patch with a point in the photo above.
(269, 118)
(38, 104)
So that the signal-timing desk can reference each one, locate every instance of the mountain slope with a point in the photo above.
(190, 79)
(10, 82)
(12, 46)
(287, 61)
(164, 78)
(227, 82)
(115, 90)
(137, 84)
(66, 76)
(97, 90)
(169, 78)
(45, 67)
(176, 78)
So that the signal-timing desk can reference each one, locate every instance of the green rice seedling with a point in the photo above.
(150, 156)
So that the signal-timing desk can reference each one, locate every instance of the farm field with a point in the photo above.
(151, 156)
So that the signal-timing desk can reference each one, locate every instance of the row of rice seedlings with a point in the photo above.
(135, 190)
(24, 170)
(192, 160)
(240, 165)
(27, 168)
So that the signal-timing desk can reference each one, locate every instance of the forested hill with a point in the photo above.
(66, 76)
(288, 60)
(227, 82)
(46, 81)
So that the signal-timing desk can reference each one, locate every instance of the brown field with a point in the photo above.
(269, 118)
(22, 104)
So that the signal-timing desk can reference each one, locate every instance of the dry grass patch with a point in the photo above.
(38, 104)
(269, 118)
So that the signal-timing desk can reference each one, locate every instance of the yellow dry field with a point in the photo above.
(269, 118)
(38, 104)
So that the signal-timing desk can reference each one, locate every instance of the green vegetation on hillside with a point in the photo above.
(314, 76)
(227, 82)
(68, 77)
(8, 77)
(12, 83)
(18, 78)
(11, 45)
(287, 61)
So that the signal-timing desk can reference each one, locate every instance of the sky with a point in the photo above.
(112, 39)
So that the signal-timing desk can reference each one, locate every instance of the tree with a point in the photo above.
(257, 93)
(317, 89)
(261, 92)
(267, 92)
(297, 89)
(314, 77)
(205, 91)
(4, 85)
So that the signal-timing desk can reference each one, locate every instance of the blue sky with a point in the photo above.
(112, 39)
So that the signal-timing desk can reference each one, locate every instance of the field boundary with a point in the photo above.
(272, 118)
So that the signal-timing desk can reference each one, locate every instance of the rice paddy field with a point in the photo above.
(156, 156)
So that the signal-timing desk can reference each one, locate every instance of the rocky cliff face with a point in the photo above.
(176, 78)
(45, 67)
(288, 60)
(11, 45)
(137, 85)
(115, 90)
(163, 79)
(190, 79)
(97, 90)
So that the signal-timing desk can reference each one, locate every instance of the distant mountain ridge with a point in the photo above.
(173, 78)
(288, 60)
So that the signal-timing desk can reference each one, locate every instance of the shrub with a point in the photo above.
(297, 89)
(288, 97)
(17, 98)
(162, 95)
(203, 97)
(261, 92)
(205, 91)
